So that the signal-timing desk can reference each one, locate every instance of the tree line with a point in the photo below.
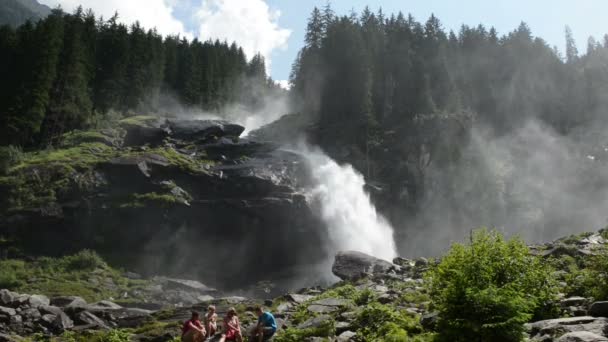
(376, 77)
(67, 71)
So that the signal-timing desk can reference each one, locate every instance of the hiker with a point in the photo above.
(232, 327)
(210, 321)
(266, 327)
(193, 330)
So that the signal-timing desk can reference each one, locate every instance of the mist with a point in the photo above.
(533, 182)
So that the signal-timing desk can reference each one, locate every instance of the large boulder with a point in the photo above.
(599, 309)
(202, 130)
(582, 336)
(560, 326)
(352, 265)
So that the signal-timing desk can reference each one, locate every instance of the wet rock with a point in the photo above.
(202, 130)
(429, 321)
(573, 301)
(104, 305)
(582, 336)
(141, 135)
(298, 298)
(7, 297)
(314, 322)
(555, 327)
(189, 285)
(89, 319)
(68, 301)
(352, 265)
(599, 309)
(346, 336)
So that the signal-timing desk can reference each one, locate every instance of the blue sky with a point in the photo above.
(276, 27)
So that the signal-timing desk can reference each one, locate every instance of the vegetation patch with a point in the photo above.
(84, 274)
(488, 289)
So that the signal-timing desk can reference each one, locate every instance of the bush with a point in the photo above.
(116, 336)
(9, 156)
(487, 290)
(378, 322)
(326, 329)
(83, 261)
(592, 281)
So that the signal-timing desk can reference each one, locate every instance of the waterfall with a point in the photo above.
(349, 215)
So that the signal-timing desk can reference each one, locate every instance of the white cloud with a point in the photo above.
(150, 13)
(283, 84)
(251, 23)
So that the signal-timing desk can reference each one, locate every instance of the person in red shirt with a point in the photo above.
(193, 330)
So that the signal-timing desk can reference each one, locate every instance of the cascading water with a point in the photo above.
(346, 209)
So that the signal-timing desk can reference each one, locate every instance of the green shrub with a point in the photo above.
(116, 336)
(487, 290)
(592, 281)
(377, 322)
(85, 260)
(326, 329)
(9, 156)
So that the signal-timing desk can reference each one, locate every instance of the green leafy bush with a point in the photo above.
(326, 329)
(592, 280)
(116, 336)
(377, 322)
(85, 260)
(9, 156)
(487, 290)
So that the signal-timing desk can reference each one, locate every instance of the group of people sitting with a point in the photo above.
(196, 331)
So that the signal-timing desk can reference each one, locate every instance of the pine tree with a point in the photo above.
(571, 50)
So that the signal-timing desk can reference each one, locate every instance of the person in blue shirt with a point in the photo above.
(266, 327)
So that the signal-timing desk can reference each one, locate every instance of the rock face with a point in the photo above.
(187, 198)
(352, 265)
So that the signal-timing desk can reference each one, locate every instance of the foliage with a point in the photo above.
(592, 279)
(488, 289)
(9, 156)
(325, 329)
(83, 274)
(377, 322)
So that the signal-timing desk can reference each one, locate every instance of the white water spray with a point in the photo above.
(346, 209)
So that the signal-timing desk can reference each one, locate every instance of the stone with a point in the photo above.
(429, 321)
(68, 301)
(283, 307)
(7, 297)
(87, 318)
(582, 336)
(104, 304)
(4, 311)
(189, 285)
(141, 135)
(202, 130)
(322, 308)
(599, 309)
(342, 327)
(31, 314)
(332, 302)
(352, 265)
(314, 322)
(9, 338)
(554, 327)
(298, 298)
(62, 322)
(35, 301)
(346, 336)
(573, 301)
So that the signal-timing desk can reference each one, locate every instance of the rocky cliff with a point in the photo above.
(180, 197)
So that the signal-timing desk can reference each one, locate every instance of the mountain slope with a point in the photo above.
(17, 12)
